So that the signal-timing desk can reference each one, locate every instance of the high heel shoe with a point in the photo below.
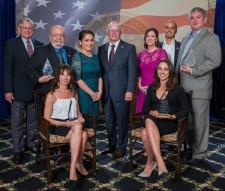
(79, 172)
(163, 172)
(144, 175)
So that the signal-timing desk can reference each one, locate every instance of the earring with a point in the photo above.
(58, 84)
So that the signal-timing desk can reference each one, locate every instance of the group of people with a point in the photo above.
(77, 80)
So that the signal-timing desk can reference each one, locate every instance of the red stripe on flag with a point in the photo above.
(139, 24)
(128, 4)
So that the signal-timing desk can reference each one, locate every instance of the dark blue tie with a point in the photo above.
(59, 53)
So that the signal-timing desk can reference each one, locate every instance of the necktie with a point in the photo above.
(111, 54)
(59, 53)
(29, 48)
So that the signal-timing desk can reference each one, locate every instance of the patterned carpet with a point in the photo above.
(113, 175)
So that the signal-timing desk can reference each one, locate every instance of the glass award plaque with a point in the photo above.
(47, 69)
(163, 106)
(190, 60)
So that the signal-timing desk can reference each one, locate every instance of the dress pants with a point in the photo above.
(18, 111)
(116, 116)
(198, 129)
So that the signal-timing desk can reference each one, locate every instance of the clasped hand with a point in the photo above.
(71, 123)
(156, 114)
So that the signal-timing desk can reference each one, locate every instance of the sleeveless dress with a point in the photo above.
(87, 69)
(147, 62)
(61, 111)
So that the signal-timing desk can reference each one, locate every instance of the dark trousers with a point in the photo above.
(117, 115)
(18, 111)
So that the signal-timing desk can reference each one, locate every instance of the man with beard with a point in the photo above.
(46, 59)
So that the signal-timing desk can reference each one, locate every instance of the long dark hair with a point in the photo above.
(172, 79)
(156, 34)
(70, 71)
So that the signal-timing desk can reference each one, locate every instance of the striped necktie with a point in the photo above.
(111, 54)
(59, 53)
(29, 48)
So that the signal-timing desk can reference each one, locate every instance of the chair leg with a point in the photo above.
(178, 165)
(94, 155)
(131, 156)
(49, 173)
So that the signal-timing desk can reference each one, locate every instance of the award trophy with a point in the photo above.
(71, 115)
(163, 106)
(190, 60)
(47, 69)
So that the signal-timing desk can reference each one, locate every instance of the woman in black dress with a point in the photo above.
(164, 104)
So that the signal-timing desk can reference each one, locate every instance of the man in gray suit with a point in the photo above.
(200, 53)
(118, 60)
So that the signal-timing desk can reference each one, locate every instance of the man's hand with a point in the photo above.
(186, 69)
(9, 97)
(45, 79)
(128, 96)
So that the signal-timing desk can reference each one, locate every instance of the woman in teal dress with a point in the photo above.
(88, 75)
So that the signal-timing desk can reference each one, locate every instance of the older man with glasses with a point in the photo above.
(18, 88)
(46, 59)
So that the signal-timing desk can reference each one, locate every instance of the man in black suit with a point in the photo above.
(118, 60)
(171, 46)
(18, 88)
(46, 59)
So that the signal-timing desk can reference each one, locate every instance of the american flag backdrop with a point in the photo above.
(134, 15)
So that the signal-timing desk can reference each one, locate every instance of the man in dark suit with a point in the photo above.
(46, 59)
(170, 44)
(118, 62)
(18, 88)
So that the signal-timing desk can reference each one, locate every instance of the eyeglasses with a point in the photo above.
(27, 28)
(112, 30)
(57, 35)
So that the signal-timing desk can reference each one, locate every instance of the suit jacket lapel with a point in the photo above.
(118, 52)
(21, 47)
(105, 52)
(53, 59)
(194, 43)
(176, 53)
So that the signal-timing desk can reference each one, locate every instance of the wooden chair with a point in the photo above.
(170, 143)
(55, 149)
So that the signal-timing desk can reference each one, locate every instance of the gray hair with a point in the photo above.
(198, 9)
(113, 23)
(23, 20)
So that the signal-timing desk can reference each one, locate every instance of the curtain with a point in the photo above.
(218, 74)
(7, 26)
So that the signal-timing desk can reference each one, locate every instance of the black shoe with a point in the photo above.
(73, 183)
(109, 150)
(31, 149)
(195, 162)
(17, 157)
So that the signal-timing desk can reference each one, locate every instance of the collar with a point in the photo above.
(116, 43)
(172, 42)
(25, 40)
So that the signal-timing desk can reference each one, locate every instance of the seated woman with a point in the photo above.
(61, 105)
(164, 104)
